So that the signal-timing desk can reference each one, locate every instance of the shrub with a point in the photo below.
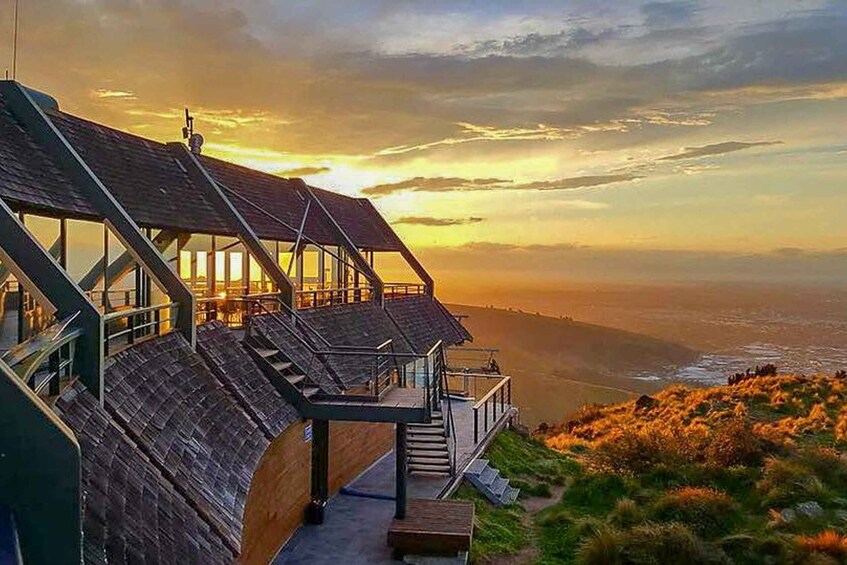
(639, 450)
(828, 542)
(626, 514)
(734, 443)
(602, 547)
(596, 493)
(708, 511)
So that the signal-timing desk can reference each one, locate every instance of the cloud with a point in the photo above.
(304, 171)
(432, 184)
(437, 222)
(457, 184)
(716, 149)
(668, 14)
(113, 94)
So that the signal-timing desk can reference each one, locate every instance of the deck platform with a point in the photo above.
(433, 527)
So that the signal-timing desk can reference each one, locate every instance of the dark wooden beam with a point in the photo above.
(320, 463)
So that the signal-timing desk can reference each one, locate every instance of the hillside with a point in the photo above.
(560, 364)
(749, 473)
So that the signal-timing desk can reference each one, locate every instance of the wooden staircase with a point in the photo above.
(428, 453)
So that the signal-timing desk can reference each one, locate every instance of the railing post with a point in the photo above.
(509, 387)
(130, 325)
(475, 425)
(485, 414)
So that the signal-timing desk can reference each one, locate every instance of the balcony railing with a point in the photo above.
(321, 298)
(124, 328)
(46, 360)
(401, 290)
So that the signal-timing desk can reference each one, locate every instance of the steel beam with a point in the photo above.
(41, 275)
(359, 261)
(202, 179)
(407, 254)
(42, 129)
(320, 461)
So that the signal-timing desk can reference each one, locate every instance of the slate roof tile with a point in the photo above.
(208, 439)
(425, 321)
(131, 513)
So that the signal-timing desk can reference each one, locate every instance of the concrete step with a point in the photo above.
(477, 466)
(425, 446)
(499, 486)
(510, 496)
(265, 353)
(488, 481)
(488, 476)
(427, 440)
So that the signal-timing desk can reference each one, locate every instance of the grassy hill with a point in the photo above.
(560, 364)
(749, 473)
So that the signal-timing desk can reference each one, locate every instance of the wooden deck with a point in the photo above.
(433, 527)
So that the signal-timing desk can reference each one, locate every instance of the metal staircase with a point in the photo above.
(428, 451)
(488, 481)
(291, 382)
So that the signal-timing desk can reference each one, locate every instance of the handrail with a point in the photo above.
(451, 423)
(134, 329)
(504, 387)
(55, 345)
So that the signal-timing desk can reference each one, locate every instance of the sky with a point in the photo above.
(625, 140)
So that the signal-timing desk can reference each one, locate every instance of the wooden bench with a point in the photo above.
(433, 527)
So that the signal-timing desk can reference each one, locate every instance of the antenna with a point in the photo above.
(15, 44)
(195, 140)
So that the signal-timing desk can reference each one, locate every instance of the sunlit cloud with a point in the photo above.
(429, 221)
(105, 93)
(304, 171)
(716, 149)
(442, 184)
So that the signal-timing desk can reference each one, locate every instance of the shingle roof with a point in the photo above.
(243, 379)
(273, 194)
(29, 177)
(360, 221)
(364, 324)
(143, 176)
(425, 321)
(131, 514)
(166, 398)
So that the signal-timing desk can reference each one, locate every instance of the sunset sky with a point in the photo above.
(573, 138)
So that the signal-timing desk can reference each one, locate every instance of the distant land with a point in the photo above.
(559, 364)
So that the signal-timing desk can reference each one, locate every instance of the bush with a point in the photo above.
(709, 512)
(596, 493)
(626, 514)
(734, 443)
(650, 543)
(829, 543)
(636, 451)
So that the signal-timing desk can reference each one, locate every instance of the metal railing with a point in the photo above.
(126, 327)
(112, 298)
(473, 359)
(46, 360)
(503, 389)
(401, 290)
(321, 298)
(449, 424)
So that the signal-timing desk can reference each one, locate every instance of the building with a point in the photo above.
(197, 355)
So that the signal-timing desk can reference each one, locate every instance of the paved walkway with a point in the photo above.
(355, 529)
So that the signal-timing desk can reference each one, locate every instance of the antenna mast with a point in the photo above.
(15, 44)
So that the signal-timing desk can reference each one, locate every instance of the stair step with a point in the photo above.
(425, 446)
(310, 391)
(510, 496)
(439, 431)
(488, 476)
(426, 439)
(432, 468)
(435, 453)
(443, 460)
(499, 487)
(295, 379)
(265, 353)
(433, 474)
(282, 365)
(477, 467)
